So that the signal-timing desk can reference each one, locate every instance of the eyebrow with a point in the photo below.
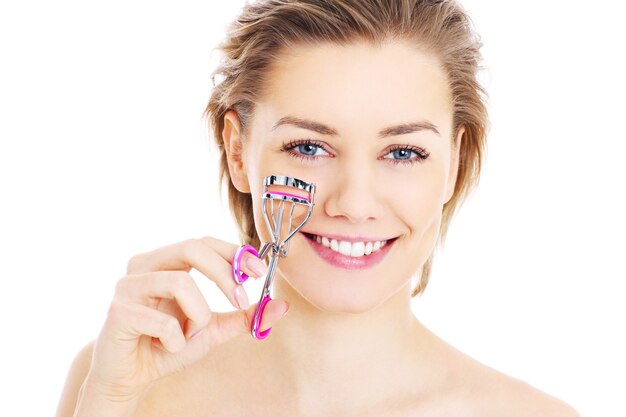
(400, 129)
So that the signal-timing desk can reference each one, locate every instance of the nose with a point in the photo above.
(354, 193)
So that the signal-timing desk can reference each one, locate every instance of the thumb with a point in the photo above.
(225, 326)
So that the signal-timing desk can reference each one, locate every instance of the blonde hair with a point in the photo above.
(255, 39)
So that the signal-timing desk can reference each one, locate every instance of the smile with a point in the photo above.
(354, 249)
(350, 255)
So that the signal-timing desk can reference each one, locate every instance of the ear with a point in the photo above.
(233, 146)
(454, 164)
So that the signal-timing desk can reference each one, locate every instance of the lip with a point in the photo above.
(348, 262)
(347, 238)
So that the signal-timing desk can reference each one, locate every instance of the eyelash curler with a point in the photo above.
(278, 191)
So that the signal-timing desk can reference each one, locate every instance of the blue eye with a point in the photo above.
(307, 149)
(403, 154)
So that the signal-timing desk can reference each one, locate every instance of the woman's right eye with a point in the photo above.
(306, 149)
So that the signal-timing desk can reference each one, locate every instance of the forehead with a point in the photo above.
(335, 83)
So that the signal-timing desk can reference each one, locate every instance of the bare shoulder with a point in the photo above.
(517, 398)
(499, 395)
(75, 377)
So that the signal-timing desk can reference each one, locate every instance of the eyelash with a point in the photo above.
(422, 155)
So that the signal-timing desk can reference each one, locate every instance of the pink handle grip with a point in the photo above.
(256, 321)
(238, 275)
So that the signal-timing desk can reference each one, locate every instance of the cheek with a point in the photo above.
(418, 198)
(259, 221)
(420, 210)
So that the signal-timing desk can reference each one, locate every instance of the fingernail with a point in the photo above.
(286, 308)
(256, 265)
(241, 297)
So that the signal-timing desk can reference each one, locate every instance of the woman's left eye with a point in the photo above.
(403, 154)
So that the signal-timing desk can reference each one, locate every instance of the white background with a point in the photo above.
(104, 154)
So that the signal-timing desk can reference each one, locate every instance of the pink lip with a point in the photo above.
(349, 262)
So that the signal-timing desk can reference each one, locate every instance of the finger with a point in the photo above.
(165, 258)
(211, 264)
(225, 326)
(250, 264)
(172, 308)
(137, 320)
(175, 285)
(272, 314)
(212, 257)
(175, 257)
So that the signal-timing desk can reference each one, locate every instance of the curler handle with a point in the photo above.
(238, 275)
(258, 315)
(255, 328)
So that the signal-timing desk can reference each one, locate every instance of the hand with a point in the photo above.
(159, 322)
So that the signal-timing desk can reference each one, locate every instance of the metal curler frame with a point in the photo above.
(278, 247)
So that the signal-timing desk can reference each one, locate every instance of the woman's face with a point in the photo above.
(371, 128)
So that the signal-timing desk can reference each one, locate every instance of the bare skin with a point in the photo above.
(468, 389)
(214, 386)
(349, 344)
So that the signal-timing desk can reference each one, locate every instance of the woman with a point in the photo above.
(378, 104)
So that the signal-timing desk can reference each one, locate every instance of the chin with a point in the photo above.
(353, 298)
(332, 289)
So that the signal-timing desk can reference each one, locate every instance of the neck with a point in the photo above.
(353, 358)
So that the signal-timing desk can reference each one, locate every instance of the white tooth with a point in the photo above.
(383, 243)
(318, 239)
(325, 241)
(358, 249)
(376, 246)
(368, 248)
(345, 248)
(334, 245)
